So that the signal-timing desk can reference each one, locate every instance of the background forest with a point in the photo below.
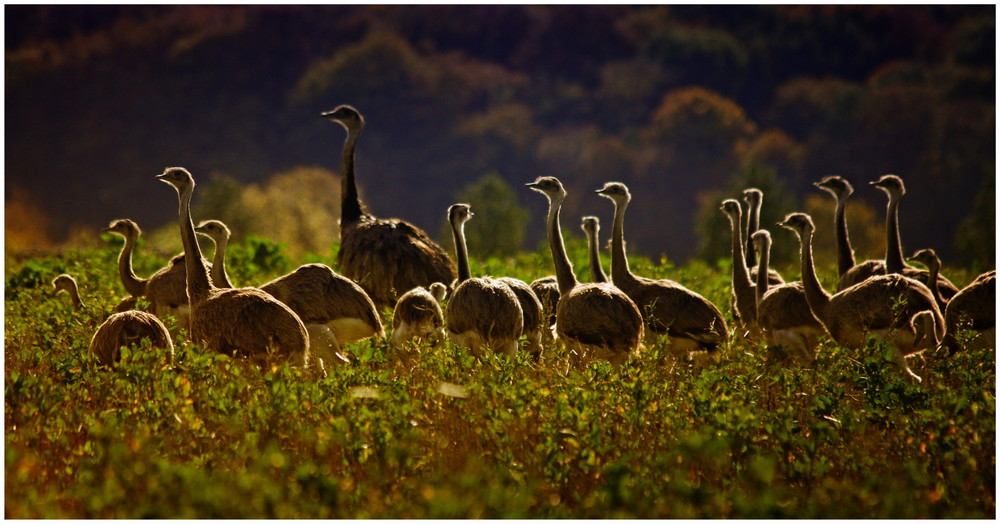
(685, 104)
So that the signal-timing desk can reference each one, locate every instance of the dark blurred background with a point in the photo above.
(685, 104)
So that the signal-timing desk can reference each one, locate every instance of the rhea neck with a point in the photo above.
(933, 269)
(461, 250)
(351, 209)
(893, 246)
(620, 273)
(741, 275)
(133, 284)
(845, 253)
(753, 223)
(596, 271)
(219, 275)
(816, 296)
(565, 277)
(764, 252)
(198, 285)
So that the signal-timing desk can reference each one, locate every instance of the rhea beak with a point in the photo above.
(532, 185)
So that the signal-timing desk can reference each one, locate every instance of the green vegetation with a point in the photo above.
(429, 432)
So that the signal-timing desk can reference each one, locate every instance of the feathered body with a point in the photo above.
(386, 257)
(482, 312)
(334, 309)
(893, 307)
(547, 291)
(783, 313)
(245, 322)
(417, 316)
(972, 308)
(594, 320)
(531, 312)
(690, 320)
(126, 329)
(893, 187)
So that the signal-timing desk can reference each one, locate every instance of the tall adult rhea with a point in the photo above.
(386, 256)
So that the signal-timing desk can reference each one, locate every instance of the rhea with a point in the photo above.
(386, 256)
(417, 316)
(166, 289)
(972, 309)
(754, 198)
(892, 307)
(594, 320)
(592, 227)
(122, 329)
(893, 187)
(483, 313)
(245, 322)
(334, 309)
(691, 321)
(783, 313)
(742, 293)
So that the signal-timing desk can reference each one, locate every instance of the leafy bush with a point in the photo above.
(430, 432)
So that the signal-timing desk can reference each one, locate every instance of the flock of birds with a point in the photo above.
(306, 316)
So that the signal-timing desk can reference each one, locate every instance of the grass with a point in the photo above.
(429, 432)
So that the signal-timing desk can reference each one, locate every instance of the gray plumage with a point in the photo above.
(894, 188)
(245, 322)
(870, 307)
(127, 329)
(594, 320)
(783, 313)
(547, 291)
(386, 257)
(334, 309)
(482, 313)
(973, 308)
(668, 308)
(418, 316)
(531, 312)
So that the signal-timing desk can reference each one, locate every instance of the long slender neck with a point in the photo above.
(620, 273)
(893, 246)
(133, 284)
(753, 222)
(845, 253)
(198, 286)
(351, 209)
(564, 269)
(741, 276)
(219, 275)
(762, 283)
(933, 269)
(461, 251)
(816, 296)
(74, 296)
(596, 270)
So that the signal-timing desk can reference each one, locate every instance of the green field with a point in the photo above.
(429, 432)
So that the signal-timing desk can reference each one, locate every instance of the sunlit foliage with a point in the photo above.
(430, 432)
